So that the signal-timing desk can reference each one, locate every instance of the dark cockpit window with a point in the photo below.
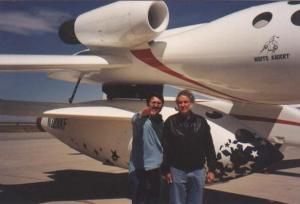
(296, 18)
(293, 2)
(262, 20)
(245, 136)
(214, 114)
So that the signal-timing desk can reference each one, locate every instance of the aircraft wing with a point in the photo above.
(52, 63)
(91, 112)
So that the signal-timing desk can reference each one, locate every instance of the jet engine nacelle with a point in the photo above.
(121, 24)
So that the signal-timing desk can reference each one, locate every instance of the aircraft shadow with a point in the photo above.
(71, 185)
(285, 164)
(68, 185)
(220, 197)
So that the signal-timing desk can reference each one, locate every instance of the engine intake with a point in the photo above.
(67, 33)
(122, 24)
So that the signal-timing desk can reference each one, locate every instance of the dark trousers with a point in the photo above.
(145, 186)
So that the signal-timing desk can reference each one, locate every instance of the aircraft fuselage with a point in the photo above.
(231, 57)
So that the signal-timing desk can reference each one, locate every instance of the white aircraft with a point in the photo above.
(249, 61)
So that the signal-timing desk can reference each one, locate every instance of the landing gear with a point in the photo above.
(75, 89)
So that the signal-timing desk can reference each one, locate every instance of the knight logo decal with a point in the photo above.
(271, 45)
(269, 51)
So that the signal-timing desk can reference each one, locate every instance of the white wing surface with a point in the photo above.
(59, 62)
(95, 112)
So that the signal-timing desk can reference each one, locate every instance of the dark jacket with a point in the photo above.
(187, 143)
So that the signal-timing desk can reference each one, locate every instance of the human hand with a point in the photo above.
(210, 177)
(168, 178)
(146, 112)
(149, 111)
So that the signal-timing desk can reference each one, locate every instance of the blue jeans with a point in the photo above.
(145, 186)
(187, 186)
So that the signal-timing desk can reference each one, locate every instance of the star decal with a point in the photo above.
(229, 166)
(254, 154)
(245, 145)
(233, 147)
(248, 165)
(236, 159)
(114, 155)
(231, 174)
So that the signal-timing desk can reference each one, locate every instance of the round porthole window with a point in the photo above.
(296, 18)
(262, 20)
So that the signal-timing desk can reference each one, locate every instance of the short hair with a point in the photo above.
(159, 96)
(186, 93)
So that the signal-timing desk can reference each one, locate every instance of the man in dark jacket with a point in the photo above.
(187, 145)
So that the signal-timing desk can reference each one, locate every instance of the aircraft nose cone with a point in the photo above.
(247, 154)
(39, 124)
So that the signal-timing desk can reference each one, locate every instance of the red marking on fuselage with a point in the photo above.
(268, 120)
(147, 57)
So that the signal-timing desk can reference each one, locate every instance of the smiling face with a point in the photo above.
(155, 104)
(184, 104)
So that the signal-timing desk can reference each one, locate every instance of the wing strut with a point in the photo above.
(75, 88)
